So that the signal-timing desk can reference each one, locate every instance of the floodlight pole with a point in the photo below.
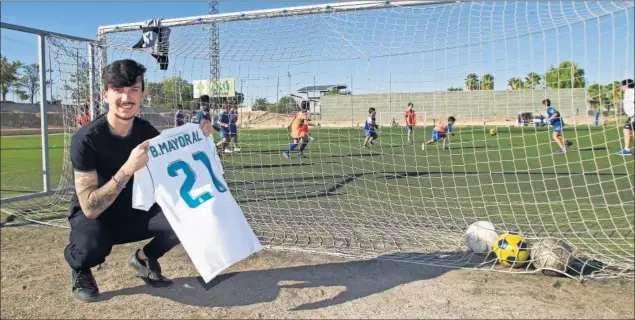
(214, 50)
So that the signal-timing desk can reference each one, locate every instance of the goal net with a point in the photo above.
(487, 64)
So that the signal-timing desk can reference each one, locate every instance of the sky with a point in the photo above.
(410, 49)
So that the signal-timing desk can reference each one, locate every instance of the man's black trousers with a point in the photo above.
(91, 240)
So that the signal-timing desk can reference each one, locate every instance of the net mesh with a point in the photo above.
(395, 200)
(68, 60)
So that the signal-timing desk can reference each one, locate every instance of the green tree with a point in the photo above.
(532, 80)
(9, 75)
(472, 82)
(336, 92)
(566, 75)
(455, 89)
(488, 82)
(286, 104)
(77, 88)
(30, 80)
(605, 97)
(22, 94)
(594, 94)
(515, 84)
(260, 104)
(153, 89)
(177, 90)
(170, 92)
(612, 94)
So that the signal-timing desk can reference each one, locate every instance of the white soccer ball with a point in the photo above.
(480, 236)
(551, 256)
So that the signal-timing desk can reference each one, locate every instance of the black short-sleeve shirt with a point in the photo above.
(95, 147)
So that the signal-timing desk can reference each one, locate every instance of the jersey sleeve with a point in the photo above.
(142, 190)
(83, 156)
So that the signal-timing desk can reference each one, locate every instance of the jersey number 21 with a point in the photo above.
(190, 178)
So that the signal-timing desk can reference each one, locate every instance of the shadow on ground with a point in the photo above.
(359, 279)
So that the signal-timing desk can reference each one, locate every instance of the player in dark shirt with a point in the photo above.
(179, 117)
(105, 154)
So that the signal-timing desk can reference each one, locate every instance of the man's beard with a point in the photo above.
(124, 118)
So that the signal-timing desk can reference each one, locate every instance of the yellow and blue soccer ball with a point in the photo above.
(511, 249)
(492, 132)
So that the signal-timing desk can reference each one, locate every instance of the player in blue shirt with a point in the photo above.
(233, 126)
(557, 122)
(369, 128)
(203, 111)
(440, 132)
(224, 123)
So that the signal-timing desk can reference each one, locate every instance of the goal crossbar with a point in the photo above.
(272, 13)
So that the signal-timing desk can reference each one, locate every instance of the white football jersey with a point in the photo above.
(185, 177)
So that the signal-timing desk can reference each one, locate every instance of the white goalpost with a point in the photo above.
(471, 60)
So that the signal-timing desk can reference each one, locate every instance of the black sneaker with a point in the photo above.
(149, 271)
(84, 285)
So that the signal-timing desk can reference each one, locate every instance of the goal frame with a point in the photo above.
(42, 36)
(271, 13)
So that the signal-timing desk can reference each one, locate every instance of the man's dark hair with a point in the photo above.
(124, 73)
(451, 119)
(628, 83)
(371, 110)
(410, 104)
(547, 102)
(304, 105)
(204, 98)
(179, 106)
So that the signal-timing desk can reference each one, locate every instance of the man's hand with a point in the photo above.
(138, 157)
(206, 127)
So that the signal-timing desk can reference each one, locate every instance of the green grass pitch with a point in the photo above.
(514, 179)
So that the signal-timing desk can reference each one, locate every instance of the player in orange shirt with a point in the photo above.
(411, 121)
(441, 131)
(299, 132)
(84, 118)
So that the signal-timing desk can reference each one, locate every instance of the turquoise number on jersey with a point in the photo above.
(190, 179)
(202, 157)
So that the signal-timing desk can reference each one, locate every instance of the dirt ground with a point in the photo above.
(282, 284)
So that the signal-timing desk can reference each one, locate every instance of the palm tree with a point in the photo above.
(532, 80)
(515, 84)
(488, 82)
(472, 82)
(567, 75)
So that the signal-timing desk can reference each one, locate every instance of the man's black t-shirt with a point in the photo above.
(95, 147)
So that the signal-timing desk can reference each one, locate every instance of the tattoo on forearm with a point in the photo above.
(94, 200)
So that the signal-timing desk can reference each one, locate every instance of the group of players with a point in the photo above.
(226, 125)
(301, 122)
